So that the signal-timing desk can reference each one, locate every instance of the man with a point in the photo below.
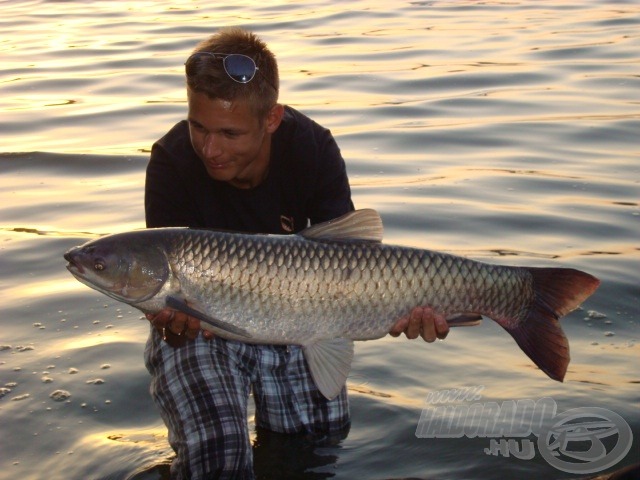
(243, 162)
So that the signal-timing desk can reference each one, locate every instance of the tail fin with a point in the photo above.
(557, 291)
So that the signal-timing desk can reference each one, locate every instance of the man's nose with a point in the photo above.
(211, 147)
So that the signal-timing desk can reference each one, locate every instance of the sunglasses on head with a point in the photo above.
(240, 68)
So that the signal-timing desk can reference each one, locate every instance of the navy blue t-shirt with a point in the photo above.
(306, 183)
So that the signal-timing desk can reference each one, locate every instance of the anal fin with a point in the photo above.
(464, 320)
(329, 362)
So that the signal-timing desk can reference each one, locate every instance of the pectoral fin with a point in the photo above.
(329, 362)
(181, 305)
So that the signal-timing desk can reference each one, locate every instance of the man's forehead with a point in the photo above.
(236, 105)
(207, 110)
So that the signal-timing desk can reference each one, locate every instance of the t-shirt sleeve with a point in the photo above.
(166, 202)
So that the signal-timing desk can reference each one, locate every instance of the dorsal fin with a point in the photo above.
(362, 225)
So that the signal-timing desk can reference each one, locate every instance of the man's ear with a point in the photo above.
(274, 117)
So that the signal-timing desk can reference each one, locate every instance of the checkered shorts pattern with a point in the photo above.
(202, 390)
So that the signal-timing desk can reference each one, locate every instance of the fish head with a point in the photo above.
(122, 266)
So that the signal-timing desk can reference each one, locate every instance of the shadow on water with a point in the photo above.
(294, 456)
(277, 456)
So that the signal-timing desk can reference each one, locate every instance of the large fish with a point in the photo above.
(325, 287)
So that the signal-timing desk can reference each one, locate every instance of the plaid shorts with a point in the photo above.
(202, 390)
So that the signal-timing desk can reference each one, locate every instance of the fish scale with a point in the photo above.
(324, 288)
(329, 284)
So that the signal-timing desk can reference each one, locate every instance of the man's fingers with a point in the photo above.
(192, 327)
(160, 319)
(414, 328)
(175, 322)
(207, 335)
(400, 326)
(427, 324)
(442, 326)
(177, 327)
(422, 322)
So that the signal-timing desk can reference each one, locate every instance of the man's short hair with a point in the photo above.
(211, 79)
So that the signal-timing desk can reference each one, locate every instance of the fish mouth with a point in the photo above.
(73, 266)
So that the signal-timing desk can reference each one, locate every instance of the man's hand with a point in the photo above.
(177, 327)
(423, 321)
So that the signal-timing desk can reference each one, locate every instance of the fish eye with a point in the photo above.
(99, 265)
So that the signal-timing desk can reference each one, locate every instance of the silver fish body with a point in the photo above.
(322, 289)
(292, 290)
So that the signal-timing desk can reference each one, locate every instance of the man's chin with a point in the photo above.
(222, 173)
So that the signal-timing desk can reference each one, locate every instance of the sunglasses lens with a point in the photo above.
(240, 68)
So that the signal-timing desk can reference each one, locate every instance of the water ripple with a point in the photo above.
(502, 131)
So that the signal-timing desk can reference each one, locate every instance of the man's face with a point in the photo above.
(230, 139)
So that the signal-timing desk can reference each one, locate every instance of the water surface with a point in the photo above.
(501, 131)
